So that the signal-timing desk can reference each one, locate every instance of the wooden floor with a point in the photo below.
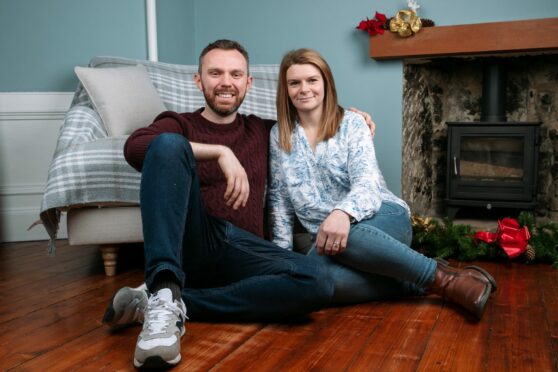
(51, 308)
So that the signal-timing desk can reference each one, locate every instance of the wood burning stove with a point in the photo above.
(492, 163)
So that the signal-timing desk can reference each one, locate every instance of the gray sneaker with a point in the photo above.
(126, 307)
(158, 344)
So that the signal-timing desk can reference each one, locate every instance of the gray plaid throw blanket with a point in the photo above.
(88, 167)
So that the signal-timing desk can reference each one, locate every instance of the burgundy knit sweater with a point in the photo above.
(246, 136)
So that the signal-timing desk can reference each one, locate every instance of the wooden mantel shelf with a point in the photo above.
(497, 38)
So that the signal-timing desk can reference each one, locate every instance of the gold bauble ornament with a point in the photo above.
(405, 23)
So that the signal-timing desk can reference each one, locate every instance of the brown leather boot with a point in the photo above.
(442, 262)
(467, 287)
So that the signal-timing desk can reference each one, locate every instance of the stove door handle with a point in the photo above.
(455, 166)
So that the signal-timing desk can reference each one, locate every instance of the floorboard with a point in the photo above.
(51, 310)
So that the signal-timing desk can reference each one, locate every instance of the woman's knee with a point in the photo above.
(396, 225)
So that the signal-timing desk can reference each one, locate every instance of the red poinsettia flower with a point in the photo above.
(363, 25)
(373, 26)
(380, 17)
(379, 28)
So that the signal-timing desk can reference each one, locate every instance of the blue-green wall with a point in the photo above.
(176, 31)
(41, 41)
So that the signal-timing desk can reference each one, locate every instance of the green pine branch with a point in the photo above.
(444, 239)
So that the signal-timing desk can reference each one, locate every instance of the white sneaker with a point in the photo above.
(126, 307)
(158, 344)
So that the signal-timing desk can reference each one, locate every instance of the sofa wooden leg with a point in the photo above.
(110, 254)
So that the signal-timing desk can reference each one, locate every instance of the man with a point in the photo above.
(202, 204)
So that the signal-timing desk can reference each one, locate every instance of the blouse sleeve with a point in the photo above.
(281, 211)
(363, 200)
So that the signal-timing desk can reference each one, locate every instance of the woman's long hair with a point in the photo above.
(332, 113)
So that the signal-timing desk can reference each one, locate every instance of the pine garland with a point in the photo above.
(445, 239)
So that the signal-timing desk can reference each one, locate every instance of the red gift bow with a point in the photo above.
(512, 238)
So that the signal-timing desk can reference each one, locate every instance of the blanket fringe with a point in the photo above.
(51, 248)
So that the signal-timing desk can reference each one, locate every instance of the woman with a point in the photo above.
(324, 171)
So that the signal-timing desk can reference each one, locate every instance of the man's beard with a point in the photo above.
(223, 111)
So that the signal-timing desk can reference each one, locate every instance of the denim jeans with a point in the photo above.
(378, 262)
(227, 273)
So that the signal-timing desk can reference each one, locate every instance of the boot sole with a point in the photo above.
(486, 275)
(479, 311)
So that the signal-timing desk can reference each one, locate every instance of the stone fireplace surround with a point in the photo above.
(443, 83)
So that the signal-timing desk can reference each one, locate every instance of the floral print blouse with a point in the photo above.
(342, 173)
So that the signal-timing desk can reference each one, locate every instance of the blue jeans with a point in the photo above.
(226, 273)
(378, 262)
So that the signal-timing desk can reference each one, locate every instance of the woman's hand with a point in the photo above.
(238, 187)
(333, 233)
(367, 119)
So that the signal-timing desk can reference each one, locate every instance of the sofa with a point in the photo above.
(88, 178)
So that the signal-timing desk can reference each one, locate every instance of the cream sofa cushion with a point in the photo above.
(124, 97)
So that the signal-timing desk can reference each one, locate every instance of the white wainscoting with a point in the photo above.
(29, 125)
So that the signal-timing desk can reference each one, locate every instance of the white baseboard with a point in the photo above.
(29, 124)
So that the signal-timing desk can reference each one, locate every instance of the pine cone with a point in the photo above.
(530, 253)
(427, 22)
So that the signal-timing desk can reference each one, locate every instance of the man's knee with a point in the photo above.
(170, 147)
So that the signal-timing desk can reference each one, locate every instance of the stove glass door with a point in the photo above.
(491, 158)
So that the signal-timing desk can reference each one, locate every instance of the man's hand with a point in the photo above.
(238, 187)
(367, 119)
(333, 233)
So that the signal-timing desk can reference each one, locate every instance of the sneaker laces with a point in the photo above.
(159, 314)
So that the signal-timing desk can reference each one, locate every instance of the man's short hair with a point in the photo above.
(223, 44)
